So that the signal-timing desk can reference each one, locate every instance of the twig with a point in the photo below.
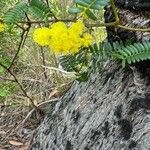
(44, 93)
(25, 36)
(29, 114)
(47, 3)
(19, 84)
(3, 78)
(42, 103)
(22, 41)
(57, 69)
(27, 30)
(49, 21)
(115, 12)
(133, 29)
(53, 68)
(43, 62)
(19, 47)
(20, 26)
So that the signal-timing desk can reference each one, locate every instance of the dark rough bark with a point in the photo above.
(109, 112)
(130, 15)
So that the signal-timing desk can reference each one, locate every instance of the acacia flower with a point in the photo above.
(62, 39)
(87, 39)
(2, 27)
(42, 36)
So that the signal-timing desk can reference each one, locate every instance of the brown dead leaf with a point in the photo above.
(25, 146)
(54, 93)
(2, 148)
(15, 143)
(35, 102)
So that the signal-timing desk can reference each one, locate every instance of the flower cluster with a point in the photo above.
(62, 39)
(2, 27)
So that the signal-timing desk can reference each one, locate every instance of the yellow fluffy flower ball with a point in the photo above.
(2, 27)
(87, 39)
(59, 39)
(63, 39)
(42, 36)
(77, 27)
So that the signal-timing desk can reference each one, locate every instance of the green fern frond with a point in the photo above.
(133, 53)
(74, 62)
(16, 14)
(68, 62)
(99, 54)
(39, 10)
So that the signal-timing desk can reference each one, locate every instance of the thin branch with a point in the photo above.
(53, 15)
(25, 36)
(55, 69)
(113, 24)
(27, 30)
(115, 12)
(49, 21)
(19, 47)
(19, 84)
(23, 39)
(133, 29)
(6, 79)
(44, 93)
(20, 26)
(43, 62)
(47, 2)
(110, 24)
(27, 17)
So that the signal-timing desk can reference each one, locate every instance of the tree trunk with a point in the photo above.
(111, 111)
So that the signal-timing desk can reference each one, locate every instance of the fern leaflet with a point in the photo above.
(39, 10)
(16, 14)
(133, 53)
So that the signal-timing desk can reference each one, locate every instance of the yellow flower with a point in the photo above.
(2, 27)
(75, 42)
(87, 39)
(62, 39)
(59, 44)
(42, 36)
(77, 27)
(59, 25)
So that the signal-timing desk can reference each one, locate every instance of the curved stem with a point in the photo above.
(114, 9)
(133, 29)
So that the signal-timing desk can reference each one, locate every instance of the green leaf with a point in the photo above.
(16, 14)
(4, 93)
(39, 10)
(117, 56)
(90, 14)
(102, 3)
(92, 4)
(83, 77)
(82, 3)
(2, 69)
(133, 53)
(75, 10)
